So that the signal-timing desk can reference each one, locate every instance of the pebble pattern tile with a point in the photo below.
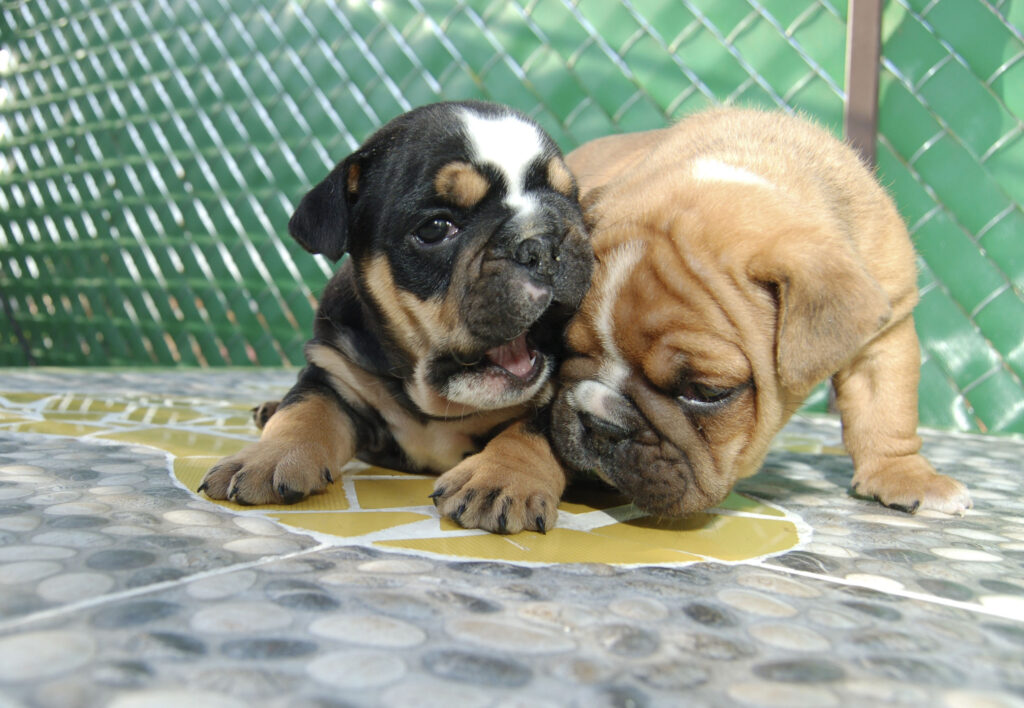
(119, 587)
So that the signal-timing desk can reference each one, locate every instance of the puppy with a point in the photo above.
(441, 331)
(743, 257)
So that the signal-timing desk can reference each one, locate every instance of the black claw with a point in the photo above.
(905, 509)
(289, 495)
(328, 476)
(503, 516)
(492, 496)
(436, 493)
(233, 497)
(541, 526)
(202, 488)
(458, 513)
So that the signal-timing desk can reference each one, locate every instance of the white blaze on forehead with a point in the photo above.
(617, 267)
(707, 169)
(511, 145)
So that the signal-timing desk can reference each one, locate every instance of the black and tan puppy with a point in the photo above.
(440, 333)
(743, 257)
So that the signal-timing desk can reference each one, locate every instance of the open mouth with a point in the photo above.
(509, 369)
(516, 358)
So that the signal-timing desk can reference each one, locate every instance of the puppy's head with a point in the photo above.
(713, 311)
(468, 248)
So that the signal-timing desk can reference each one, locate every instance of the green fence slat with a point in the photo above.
(151, 153)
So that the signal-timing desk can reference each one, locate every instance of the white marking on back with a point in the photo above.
(707, 169)
(617, 267)
(509, 144)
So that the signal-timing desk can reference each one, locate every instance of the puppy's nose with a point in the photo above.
(605, 430)
(535, 255)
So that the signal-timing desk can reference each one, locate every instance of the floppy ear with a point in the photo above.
(321, 221)
(829, 306)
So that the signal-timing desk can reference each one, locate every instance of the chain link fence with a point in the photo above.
(150, 153)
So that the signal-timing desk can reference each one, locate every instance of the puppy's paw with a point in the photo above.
(269, 473)
(261, 413)
(910, 484)
(481, 494)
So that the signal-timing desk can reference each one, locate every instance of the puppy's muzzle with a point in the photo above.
(536, 256)
(599, 431)
(593, 421)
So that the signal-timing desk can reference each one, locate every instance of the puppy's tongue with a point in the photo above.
(514, 357)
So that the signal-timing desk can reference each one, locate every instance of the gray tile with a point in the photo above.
(119, 588)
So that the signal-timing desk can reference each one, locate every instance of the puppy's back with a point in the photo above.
(794, 161)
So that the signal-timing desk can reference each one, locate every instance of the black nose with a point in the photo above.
(535, 255)
(603, 434)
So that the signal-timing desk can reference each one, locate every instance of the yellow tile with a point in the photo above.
(738, 502)
(402, 491)
(349, 524)
(11, 417)
(792, 442)
(75, 416)
(557, 546)
(21, 397)
(162, 415)
(180, 442)
(729, 538)
(190, 470)
(84, 404)
(55, 427)
(379, 472)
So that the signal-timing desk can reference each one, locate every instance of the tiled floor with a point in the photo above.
(119, 587)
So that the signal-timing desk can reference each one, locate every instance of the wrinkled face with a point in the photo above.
(468, 239)
(660, 394)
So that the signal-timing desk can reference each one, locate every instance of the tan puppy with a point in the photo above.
(744, 256)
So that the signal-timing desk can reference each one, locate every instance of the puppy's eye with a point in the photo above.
(435, 231)
(696, 392)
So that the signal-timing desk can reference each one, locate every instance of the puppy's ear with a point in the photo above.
(829, 306)
(321, 221)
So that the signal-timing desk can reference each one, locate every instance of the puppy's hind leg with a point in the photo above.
(877, 398)
(303, 447)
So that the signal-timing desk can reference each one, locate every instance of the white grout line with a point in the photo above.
(902, 594)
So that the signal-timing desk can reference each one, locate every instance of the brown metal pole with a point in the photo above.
(863, 49)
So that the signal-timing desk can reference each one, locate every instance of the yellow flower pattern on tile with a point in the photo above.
(391, 510)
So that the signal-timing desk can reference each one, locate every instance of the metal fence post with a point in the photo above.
(863, 48)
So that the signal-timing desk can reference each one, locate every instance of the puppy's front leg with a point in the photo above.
(514, 483)
(304, 445)
(877, 398)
